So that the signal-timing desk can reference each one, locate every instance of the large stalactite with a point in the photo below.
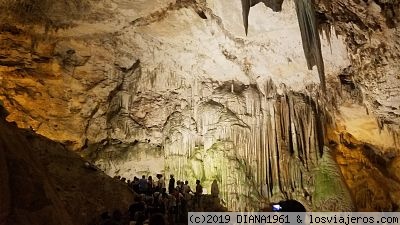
(308, 26)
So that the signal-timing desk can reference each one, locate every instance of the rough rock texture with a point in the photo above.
(165, 86)
(368, 160)
(43, 183)
(77, 71)
(373, 41)
(370, 174)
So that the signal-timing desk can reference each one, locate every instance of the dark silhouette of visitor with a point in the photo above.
(171, 185)
(186, 189)
(214, 189)
(179, 185)
(198, 193)
(143, 185)
(150, 185)
(160, 182)
(291, 206)
(135, 184)
(199, 188)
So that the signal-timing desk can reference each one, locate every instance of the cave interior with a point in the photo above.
(273, 100)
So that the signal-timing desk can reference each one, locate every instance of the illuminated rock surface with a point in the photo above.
(176, 87)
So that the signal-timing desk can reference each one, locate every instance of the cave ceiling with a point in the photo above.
(45, 39)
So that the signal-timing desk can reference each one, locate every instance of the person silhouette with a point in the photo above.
(214, 189)
(171, 185)
(291, 206)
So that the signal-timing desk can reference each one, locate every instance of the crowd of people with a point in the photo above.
(157, 203)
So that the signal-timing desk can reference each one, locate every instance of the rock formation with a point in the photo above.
(176, 87)
(44, 183)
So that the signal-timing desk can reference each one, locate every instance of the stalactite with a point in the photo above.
(326, 28)
(309, 30)
(245, 13)
(310, 37)
(261, 146)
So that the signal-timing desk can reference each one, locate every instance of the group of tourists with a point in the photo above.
(157, 203)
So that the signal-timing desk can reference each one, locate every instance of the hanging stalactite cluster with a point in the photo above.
(308, 28)
(259, 145)
(270, 145)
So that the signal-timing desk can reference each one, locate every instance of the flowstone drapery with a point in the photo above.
(263, 147)
(260, 145)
